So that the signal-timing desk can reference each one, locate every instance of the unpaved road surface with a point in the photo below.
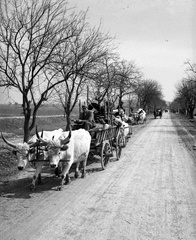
(150, 193)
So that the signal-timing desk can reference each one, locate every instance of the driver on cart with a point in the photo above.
(86, 118)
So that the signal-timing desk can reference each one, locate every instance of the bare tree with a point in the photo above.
(75, 63)
(126, 78)
(186, 96)
(30, 33)
(113, 80)
(149, 94)
(102, 80)
(191, 69)
(186, 91)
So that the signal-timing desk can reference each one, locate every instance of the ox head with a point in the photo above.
(55, 147)
(22, 151)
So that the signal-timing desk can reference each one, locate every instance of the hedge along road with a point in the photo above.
(150, 193)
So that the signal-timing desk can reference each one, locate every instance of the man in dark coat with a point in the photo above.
(87, 117)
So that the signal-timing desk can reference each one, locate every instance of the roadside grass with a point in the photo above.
(8, 163)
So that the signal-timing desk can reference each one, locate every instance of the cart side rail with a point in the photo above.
(100, 135)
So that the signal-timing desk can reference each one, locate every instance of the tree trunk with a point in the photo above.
(68, 122)
(26, 128)
(27, 116)
(191, 112)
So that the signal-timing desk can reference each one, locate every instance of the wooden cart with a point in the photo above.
(104, 142)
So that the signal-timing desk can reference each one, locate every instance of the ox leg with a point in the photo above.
(65, 175)
(39, 179)
(77, 170)
(84, 168)
(67, 179)
(37, 175)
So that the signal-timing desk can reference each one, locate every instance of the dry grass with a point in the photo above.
(8, 163)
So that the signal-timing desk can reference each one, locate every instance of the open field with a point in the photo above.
(48, 118)
(14, 126)
(16, 110)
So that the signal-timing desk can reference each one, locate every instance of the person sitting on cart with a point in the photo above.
(86, 118)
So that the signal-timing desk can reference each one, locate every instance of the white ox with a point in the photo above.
(71, 147)
(26, 152)
(142, 115)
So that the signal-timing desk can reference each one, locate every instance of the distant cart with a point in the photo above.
(158, 113)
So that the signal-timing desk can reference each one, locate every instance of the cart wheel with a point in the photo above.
(105, 154)
(119, 144)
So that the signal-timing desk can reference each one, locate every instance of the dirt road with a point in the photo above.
(149, 194)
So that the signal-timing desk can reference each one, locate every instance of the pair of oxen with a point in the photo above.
(58, 147)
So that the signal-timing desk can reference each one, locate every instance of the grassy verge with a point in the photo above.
(8, 164)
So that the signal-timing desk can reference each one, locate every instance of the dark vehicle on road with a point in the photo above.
(158, 113)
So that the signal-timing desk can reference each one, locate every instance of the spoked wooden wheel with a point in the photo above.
(105, 154)
(119, 145)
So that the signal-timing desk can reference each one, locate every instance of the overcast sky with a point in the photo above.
(159, 35)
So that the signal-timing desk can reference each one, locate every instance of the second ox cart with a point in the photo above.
(106, 142)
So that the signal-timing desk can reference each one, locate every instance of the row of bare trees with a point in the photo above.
(48, 51)
(185, 100)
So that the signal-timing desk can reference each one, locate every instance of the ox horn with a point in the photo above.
(9, 143)
(37, 134)
(41, 138)
(67, 139)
